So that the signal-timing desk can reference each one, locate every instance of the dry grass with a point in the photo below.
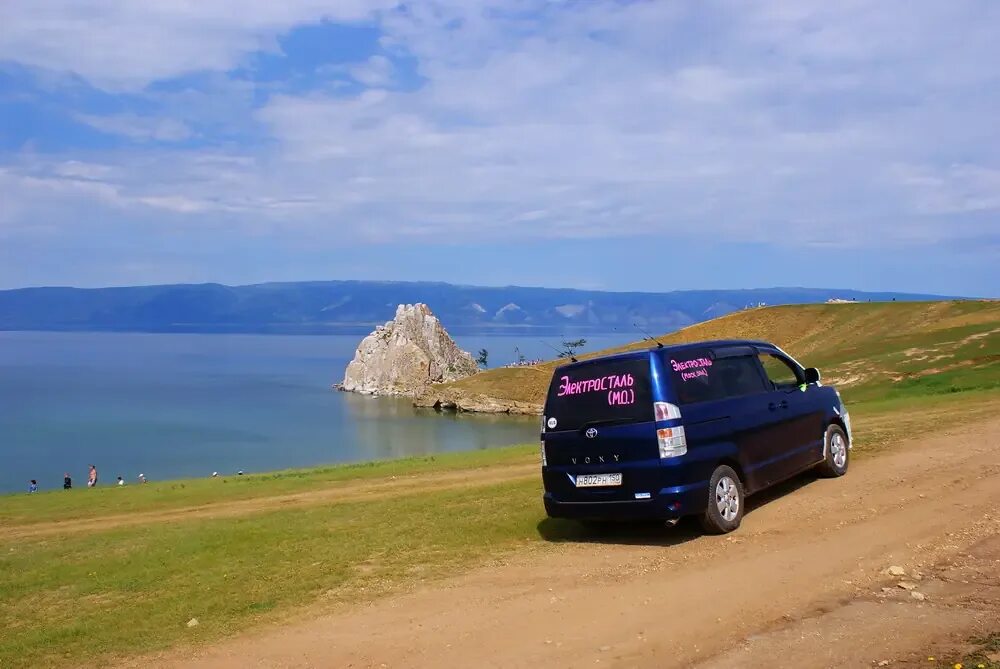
(857, 345)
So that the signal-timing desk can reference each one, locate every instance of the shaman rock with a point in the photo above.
(406, 355)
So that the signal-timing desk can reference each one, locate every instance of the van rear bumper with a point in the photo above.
(667, 504)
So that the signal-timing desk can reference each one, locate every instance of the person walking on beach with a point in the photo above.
(92, 477)
(33, 486)
(121, 481)
(67, 481)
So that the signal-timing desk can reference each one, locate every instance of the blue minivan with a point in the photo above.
(685, 430)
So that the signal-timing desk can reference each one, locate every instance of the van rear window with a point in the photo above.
(602, 391)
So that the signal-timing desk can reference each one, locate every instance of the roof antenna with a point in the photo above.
(648, 336)
(562, 354)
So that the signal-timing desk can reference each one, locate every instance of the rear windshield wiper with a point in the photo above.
(609, 421)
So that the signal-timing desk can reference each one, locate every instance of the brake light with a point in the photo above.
(545, 462)
(672, 442)
(666, 411)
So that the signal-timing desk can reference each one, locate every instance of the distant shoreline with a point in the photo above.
(325, 307)
(358, 329)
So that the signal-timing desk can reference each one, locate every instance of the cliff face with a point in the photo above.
(511, 390)
(406, 355)
(454, 399)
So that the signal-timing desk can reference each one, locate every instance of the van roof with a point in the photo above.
(713, 343)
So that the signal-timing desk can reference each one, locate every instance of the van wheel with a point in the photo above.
(725, 501)
(837, 453)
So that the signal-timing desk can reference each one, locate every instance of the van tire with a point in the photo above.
(838, 455)
(725, 498)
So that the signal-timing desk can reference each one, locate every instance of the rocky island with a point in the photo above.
(406, 356)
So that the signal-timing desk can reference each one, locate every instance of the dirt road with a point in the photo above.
(800, 584)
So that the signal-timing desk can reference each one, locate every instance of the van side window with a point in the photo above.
(780, 372)
(720, 378)
(740, 376)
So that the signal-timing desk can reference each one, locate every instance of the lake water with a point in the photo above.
(185, 405)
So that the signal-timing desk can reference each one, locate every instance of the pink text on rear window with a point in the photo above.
(617, 386)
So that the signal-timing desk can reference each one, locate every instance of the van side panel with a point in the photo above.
(717, 431)
(721, 430)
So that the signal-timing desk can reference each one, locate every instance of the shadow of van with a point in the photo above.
(655, 533)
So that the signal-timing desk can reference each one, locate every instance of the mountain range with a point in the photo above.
(313, 307)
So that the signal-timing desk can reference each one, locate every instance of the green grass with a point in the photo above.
(959, 380)
(81, 503)
(987, 645)
(978, 658)
(880, 424)
(133, 590)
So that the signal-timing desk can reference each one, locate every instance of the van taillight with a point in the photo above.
(666, 411)
(545, 462)
(672, 442)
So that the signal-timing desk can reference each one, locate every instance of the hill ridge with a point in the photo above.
(316, 307)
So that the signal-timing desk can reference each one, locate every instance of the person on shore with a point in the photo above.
(92, 477)
(67, 481)
(33, 486)
(142, 478)
(121, 481)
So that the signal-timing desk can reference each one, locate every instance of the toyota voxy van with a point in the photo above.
(685, 430)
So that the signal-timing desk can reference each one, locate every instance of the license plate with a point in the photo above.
(597, 480)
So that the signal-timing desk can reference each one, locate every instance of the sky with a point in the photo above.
(610, 145)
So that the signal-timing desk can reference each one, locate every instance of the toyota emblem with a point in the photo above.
(591, 432)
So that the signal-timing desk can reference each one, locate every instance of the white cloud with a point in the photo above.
(376, 72)
(75, 169)
(125, 45)
(139, 127)
(794, 123)
(950, 189)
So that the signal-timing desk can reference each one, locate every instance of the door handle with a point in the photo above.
(783, 404)
(772, 406)
(780, 405)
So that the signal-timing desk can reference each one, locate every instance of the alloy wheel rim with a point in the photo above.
(727, 498)
(839, 451)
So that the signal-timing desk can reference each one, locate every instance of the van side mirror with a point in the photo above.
(812, 375)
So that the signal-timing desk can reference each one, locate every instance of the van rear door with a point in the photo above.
(599, 420)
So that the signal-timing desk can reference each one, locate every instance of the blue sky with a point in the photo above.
(612, 145)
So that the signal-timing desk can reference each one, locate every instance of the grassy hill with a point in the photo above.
(870, 350)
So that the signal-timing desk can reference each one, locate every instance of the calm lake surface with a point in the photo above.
(184, 405)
